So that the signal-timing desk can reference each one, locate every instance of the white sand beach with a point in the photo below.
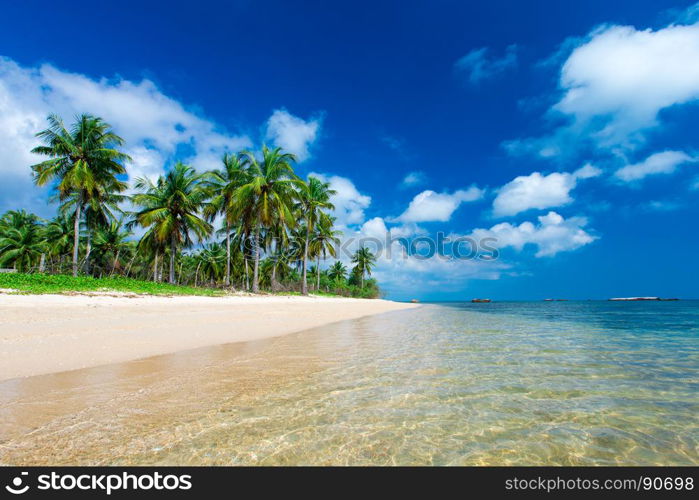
(42, 334)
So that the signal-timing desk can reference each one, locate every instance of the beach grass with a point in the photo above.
(60, 283)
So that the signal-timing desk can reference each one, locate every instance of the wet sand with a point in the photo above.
(41, 334)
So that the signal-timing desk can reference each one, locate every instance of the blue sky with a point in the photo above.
(565, 130)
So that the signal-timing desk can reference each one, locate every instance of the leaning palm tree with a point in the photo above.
(324, 241)
(222, 185)
(364, 260)
(268, 195)
(172, 208)
(83, 161)
(314, 198)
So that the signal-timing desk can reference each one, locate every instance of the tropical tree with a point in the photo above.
(212, 261)
(337, 272)
(111, 241)
(364, 260)
(58, 234)
(172, 208)
(83, 161)
(21, 240)
(324, 242)
(314, 199)
(222, 184)
(266, 197)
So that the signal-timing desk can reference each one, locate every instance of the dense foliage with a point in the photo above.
(272, 225)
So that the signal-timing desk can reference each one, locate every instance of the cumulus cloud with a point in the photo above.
(349, 202)
(413, 179)
(539, 191)
(153, 124)
(431, 206)
(665, 162)
(478, 66)
(293, 134)
(551, 235)
(615, 82)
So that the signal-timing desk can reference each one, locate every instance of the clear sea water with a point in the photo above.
(525, 383)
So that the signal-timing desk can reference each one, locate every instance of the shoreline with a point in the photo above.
(43, 334)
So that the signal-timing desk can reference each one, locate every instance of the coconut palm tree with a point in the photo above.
(212, 260)
(323, 242)
(267, 196)
(337, 272)
(314, 198)
(83, 161)
(364, 260)
(21, 240)
(223, 184)
(111, 241)
(58, 234)
(99, 211)
(172, 208)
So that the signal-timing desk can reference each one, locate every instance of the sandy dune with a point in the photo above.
(42, 334)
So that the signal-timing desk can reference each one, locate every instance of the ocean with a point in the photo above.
(510, 383)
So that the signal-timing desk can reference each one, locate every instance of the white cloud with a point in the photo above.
(665, 162)
(552, 234)
(153, 125)
(587, 171)
(615, 82)
(349, 202)
(414, 179)
(478, 66)
(292, 133)
(430, 206)
(539, 191)
(628, 76)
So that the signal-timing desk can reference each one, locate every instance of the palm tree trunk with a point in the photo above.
(155, 267)
(247, 275)
(304, 283)
(228, 252)
(196, 274)
(256, 268)
(173, 247)
(42, 263)
(88, 250)
(318, 273)
(76, 239)
(116, 261)
(128, 268)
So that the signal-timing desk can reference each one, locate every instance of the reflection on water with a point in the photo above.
(528, 384)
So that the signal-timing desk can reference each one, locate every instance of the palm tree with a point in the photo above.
(223, 184)
(58, 234)
(99, 212)
(337, 272)
(323, 242)
(211, 258)
(172, 207)
(314, 198)
(83, 161)
(364, 260)
(112, 241)
(267, 196)
(21, 240)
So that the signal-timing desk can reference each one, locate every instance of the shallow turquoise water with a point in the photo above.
(564, 383)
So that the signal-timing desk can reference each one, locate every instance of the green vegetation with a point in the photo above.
(272, 225)
(58, 283)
